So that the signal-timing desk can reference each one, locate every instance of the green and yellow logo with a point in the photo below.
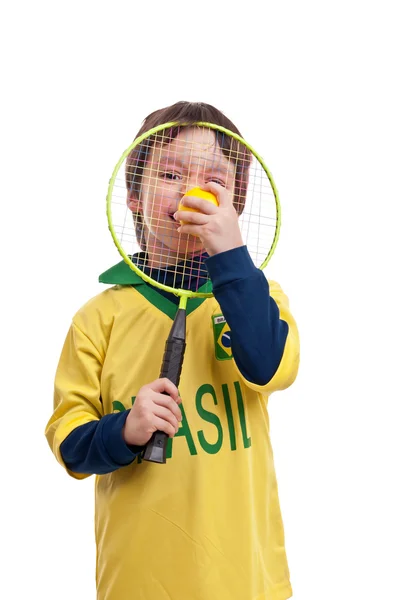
(222, 338)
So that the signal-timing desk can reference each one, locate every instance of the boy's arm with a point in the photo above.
(264, 337)
(98, 447)
(83, 440)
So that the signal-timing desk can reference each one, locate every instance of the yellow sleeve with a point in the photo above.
(288, 367)
(77, 390)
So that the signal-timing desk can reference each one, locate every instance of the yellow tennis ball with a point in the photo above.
(198, 193)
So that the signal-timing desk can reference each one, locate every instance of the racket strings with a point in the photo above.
(155, 175)
(188, 275)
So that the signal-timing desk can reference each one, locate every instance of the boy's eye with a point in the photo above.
(170, 175)
(216, 180)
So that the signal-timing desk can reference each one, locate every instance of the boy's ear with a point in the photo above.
(133, 202)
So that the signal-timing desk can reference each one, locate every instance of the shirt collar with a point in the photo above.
(120, 274)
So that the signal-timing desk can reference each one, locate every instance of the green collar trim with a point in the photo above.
(122, 274)
(168, 307)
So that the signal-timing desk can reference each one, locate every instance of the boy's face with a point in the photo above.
(190, 160)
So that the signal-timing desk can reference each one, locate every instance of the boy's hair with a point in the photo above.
(187, 113)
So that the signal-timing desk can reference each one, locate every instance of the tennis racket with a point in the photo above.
(152, 175)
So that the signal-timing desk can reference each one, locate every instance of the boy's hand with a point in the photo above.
(153, 411)
(217, 226)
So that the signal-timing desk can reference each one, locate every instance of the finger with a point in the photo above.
(162, 425)
(223, 195)
(168, 403)
(166, 415)
(196, 218)
(164, 385)
(190, 229)
(204, 206)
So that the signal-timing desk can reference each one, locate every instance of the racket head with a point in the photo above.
(255, 196)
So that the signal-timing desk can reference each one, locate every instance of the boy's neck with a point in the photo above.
(144, 261)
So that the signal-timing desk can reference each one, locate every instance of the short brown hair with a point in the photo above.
(187, 113)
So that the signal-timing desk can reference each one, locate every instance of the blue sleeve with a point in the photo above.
(98, 447)
(258, 335)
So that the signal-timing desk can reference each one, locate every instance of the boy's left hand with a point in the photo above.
(216, 226)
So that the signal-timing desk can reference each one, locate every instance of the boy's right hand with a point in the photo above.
(153, 411)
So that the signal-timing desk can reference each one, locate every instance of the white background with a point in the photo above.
(313, 87)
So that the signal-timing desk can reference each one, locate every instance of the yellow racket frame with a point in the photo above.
(185, 294)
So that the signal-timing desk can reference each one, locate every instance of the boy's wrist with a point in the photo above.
(223, 245)
(230, 265)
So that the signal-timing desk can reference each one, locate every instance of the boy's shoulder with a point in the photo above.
(120, 279)
(108, 299)
(105, 305)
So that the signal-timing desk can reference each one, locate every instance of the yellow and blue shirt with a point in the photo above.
(207, 524)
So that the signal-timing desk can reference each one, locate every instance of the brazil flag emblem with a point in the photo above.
(222, 338)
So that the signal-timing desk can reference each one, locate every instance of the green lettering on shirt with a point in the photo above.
(230, 418)
(209, 417)
(116, 405)
(247, 442)
(185, 431)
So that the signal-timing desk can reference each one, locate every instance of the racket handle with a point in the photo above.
(173, 358)
(155, 450)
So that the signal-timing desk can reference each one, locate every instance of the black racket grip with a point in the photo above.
(173, 358)
(155, 450)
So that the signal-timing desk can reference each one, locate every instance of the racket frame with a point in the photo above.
(136, 142)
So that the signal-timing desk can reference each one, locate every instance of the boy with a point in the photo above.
(207, 524)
